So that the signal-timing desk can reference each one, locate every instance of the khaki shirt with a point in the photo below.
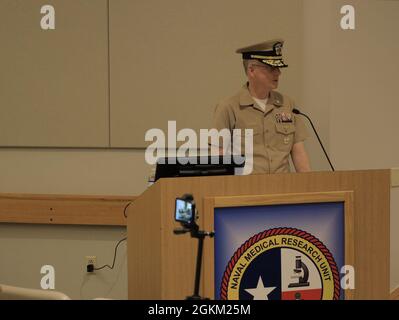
(275, 130)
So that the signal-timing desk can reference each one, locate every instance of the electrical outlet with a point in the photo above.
(91, 260)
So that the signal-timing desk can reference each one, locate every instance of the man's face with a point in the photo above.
(263, 75)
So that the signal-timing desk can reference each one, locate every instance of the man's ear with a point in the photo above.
(250, 70)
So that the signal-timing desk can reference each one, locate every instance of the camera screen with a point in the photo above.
(184, 211)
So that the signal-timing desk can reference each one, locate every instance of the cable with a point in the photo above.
(113, 263)
(124, 210)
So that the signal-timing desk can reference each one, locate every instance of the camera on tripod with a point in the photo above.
(186, 214)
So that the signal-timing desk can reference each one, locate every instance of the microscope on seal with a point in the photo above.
(186, 214)
(301, 272)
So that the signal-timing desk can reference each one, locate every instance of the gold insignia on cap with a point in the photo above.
(277, 48)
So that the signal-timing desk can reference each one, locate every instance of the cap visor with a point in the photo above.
(275, 63)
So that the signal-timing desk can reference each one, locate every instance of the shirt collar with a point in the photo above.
(246, 99)
(275, 98)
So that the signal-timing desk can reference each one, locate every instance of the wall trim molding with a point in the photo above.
(63, 209)
(394, 294)
(394, 177)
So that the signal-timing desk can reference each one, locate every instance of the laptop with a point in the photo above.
(171, 167)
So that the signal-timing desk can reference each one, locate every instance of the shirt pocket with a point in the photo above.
(257, 129)
(257, 132)
(244, 133)
(285, 128)
(284, 136)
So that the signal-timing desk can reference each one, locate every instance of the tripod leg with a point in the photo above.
(198, 267)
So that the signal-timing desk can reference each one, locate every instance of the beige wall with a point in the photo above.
(178, 65)
(24, 249)
(73, 171)
(315, 81)
(54, 80)
(349, 94)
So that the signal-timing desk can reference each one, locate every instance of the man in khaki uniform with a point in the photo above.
(277, 131)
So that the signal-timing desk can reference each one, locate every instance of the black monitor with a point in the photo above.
(169, 167)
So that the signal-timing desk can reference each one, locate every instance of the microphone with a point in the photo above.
(296, 111)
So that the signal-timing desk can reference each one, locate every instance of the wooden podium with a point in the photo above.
(161, 265)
